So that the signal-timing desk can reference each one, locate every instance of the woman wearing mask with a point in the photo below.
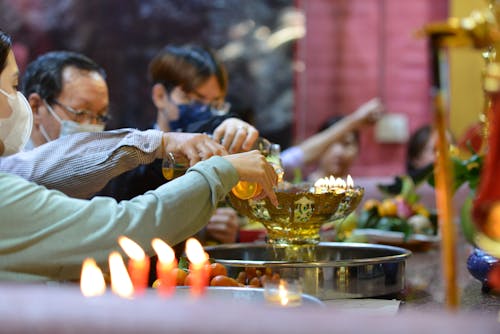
(46, 235)
(15, 115)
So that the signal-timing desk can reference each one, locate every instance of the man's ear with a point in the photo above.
(159, 96)
(35, 102)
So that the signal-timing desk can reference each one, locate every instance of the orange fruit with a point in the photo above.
(217, 269)
(222, 280)
(420, 209)
(387, 208)
(370, 204)
(181, 276)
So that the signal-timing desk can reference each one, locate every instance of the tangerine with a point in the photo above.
(387, 208)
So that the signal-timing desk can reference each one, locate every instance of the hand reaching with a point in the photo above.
(370, 112)
(236, 135)
(223, 225)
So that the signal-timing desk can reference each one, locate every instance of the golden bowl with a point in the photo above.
(300, 214)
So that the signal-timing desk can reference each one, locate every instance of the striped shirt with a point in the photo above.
(80, 165)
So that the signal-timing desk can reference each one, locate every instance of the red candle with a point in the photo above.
(138, 264)
(165, 267)
(197, 267)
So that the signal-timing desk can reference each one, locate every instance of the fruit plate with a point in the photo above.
(416, 242)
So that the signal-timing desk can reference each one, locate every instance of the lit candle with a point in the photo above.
(165, 267)
(120, 280)
(350, 182)
(197, 266)
(321, 186)
(340, 186)
(284, 293)
(138, 264)
(92, 282)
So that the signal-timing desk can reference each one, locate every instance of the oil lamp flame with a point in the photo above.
(340, 183)
(350, 182)
(131, 248)
(163, 250)
(121, 284)
(92, 282)
(332, 184)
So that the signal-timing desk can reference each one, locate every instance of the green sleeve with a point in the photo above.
(47, 235)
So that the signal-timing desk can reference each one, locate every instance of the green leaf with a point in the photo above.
(183, 263)
(368, 218)
(468, 227)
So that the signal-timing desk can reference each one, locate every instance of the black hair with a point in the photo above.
(5, 47)
(416, 145)
(44, 75)
(187, 66)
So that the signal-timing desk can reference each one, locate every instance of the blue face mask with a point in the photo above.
(190, 113)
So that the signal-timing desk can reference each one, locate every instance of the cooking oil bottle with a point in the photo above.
(173, 167)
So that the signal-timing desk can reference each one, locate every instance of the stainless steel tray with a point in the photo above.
(330, 270)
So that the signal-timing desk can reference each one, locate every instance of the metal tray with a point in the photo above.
(330, 270)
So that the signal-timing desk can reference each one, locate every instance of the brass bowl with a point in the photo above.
(300, 214)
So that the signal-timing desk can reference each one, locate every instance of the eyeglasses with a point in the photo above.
(84, 114)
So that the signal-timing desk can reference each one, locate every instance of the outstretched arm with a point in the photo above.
(313, 147)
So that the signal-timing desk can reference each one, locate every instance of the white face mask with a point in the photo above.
(15, 130)
(69, 127)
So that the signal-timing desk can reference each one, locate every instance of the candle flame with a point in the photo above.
(121, 284)
(92, 282)
(283, 294)
(131, 248)
(332, 184)
(195, 253)
(163, 250)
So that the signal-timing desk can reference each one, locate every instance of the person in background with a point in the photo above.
(336, 145)
(189, 90)
(421, 152)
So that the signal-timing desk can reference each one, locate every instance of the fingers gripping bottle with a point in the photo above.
(173, 167)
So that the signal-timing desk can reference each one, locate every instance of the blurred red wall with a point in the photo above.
(358, 49)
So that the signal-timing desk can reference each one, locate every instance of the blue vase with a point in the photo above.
(479, 265)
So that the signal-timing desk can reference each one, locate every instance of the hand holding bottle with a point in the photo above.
(236, 135)
(192, 147)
